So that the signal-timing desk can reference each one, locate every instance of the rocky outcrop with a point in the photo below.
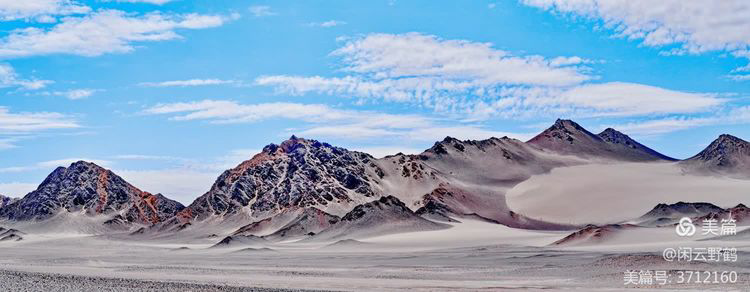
(86, 188)
(569, 138)
(727, 155)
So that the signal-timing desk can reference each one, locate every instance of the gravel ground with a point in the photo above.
(25, 281)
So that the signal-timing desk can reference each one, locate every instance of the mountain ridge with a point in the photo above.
(302, 187)
(88, 189)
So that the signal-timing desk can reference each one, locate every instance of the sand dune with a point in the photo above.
(612, 193)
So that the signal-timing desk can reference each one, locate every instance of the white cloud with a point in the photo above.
(739, 77)
(423, 68)
(24, 122)
(694, 26)
(261, 10)
(191, 82)
(40, 10)
(666, 125)
(52, 164)
(330, 23)
(324, 121)
(105, 31)
(9, 78)
(479, 82)
(631, 99)
(74, 94)
(157, 2)
(740, 115)
(146, 157)
(16, 189)
(385, 56)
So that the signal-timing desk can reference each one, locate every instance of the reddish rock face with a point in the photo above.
(298, 173)
(87, 187)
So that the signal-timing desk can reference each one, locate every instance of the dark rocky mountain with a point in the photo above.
(240, 240)
(296, 174)
(726, 155)
(594, 234)
(87, 188)
(668, 214)
(569, 138)
(290, 225)
(740, 213)
(5, 201)
(386, 215)
(681, 209)
(10, 234)
(619, 140)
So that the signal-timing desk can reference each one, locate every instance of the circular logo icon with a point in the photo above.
(685, 227)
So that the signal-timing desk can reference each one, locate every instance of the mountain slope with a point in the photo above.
(569, 138)
(469, 178)
(5, 201)
(727, 155)
(620, 142)
(296, 174)
(667, 214)
(387, 215)
(87, 189)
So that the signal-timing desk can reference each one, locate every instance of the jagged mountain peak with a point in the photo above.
(295, 143)
(727, 154)
(725, 150)
(569, 138)
(615, 137)
(297, 173)
(566, 131)
(450, 144)
(84, 187)
(566, 124)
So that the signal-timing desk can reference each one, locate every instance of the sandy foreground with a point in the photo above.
(472, 256)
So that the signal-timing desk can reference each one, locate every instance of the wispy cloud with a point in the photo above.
(740, 115)
(261, 11)
(480, 82)
(74, 94)
(325, 121)
(9, 78)
(101, 32)
(24, 122)
(39, 10)
(330, 23)
(16, 189)
(190, 82)
(156, 2)
(51, 164)
(691, 25)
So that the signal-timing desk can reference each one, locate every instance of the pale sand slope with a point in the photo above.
(468, 233)
(610, 193)
(495, 263)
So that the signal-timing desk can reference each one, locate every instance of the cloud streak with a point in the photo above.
(325, 121)
(40, 10)
(188, 83)
(693, 26)
(101, 32)
(480, 82)
(9, 78)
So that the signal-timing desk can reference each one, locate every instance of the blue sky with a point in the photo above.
(170, 93)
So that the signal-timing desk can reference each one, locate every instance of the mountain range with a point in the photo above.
(309, 190)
